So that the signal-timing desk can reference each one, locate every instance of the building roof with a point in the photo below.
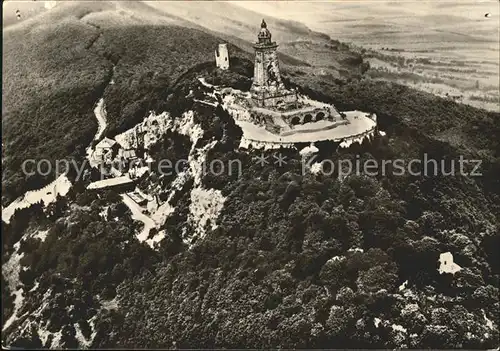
(129, 154)
(101, 184)
(136, 197)
(106, 143)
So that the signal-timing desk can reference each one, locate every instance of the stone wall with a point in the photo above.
(358, 138)
(344, 142)
(300, 117)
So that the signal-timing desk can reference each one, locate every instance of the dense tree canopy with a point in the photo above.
(298, 260)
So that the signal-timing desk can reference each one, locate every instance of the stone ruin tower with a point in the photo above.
(222, 57)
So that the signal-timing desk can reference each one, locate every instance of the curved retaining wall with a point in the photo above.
(344, 142)
(257, 144)
(357, 138)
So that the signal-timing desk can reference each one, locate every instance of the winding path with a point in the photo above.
(101, 116)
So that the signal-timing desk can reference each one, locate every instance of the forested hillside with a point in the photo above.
(52, 82)
(126, 52)
(309, 261)
(296, 260)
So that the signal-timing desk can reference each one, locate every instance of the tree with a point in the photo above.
(375, 279)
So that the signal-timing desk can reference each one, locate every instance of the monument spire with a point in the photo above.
(264, 34)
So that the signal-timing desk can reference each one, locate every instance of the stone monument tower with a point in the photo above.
(267, 88)
(222, 57)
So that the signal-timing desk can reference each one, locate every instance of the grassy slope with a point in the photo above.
(295, 39)
(27, 9)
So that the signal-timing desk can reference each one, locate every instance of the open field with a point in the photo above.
(418, 44)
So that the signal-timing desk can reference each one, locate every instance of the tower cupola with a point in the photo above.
(264, 34)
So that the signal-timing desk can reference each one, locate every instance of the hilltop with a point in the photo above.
(295, 260)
